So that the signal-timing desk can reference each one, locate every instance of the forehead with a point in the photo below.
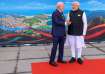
(75, 4)
(60, 3)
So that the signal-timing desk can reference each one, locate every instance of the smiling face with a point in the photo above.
(60, 5)
(75, 6)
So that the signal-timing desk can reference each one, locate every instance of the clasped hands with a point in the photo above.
(68, 22)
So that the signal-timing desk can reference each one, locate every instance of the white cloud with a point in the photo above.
(89, 5)
(96, 5)
(31, 5)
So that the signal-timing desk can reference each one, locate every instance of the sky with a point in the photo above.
(49, 4)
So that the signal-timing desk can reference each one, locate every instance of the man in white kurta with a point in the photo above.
(77, 27)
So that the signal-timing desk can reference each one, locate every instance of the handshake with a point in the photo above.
(68, 22)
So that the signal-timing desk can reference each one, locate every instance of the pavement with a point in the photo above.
(17, 60)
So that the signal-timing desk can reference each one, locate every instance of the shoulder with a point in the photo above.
(55, 13)
(82, 11)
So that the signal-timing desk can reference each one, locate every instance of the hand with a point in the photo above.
(68, 22)
(83, 35)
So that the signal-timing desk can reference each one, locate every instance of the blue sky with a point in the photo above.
(49, 4)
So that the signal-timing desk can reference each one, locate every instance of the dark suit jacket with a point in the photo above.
(58, 24)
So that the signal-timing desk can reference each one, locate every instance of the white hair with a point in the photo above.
(76, 2)
(59, 3)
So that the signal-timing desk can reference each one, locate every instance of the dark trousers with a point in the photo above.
(57, 40)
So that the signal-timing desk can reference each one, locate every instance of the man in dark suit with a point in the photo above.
(58, 34)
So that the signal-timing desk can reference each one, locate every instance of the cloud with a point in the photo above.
(31, 5)
(87, 4)
(94, 5)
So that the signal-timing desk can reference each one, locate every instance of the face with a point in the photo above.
(61, 7)
(75, 7)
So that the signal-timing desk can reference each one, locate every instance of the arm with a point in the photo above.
(68, 22)
(57, 19)
(84, 18)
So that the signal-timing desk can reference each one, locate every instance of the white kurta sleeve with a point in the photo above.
(84, 18)
(68, 18)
